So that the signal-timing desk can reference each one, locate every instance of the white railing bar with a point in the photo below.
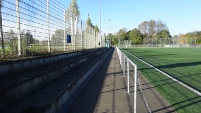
(128, 85)
(122, 63)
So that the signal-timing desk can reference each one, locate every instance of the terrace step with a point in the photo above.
(50, 97)
(14, 87)
(11, 67)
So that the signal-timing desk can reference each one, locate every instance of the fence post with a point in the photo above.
(64, 30)
(124, 65)
(81, 36)
(18, 28)
(135, 89)
(120, 59)
(48, 25)
(1, 28)
(128, 75)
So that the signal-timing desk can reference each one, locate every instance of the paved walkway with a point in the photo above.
(106, 93)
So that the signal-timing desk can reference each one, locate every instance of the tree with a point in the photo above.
(114, 40)
(29, 38)
(96, 28)
(57, 38)
(144, 28)
(89, 22)
(135, 36)
(152, 28)
(164, 34)
(74, 9)
(181, 39)
(122, 34)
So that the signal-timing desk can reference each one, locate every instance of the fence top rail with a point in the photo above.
(131, 62)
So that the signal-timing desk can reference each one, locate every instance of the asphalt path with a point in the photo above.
(106, 92)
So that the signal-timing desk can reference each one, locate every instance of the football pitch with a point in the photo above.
(183, 64)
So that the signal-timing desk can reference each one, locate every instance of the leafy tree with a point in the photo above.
(57, 38)
(27, 38)
(190, 38)
(114, 40)
(74, 9)
(96, 28)
(122, 34)
(164, 34)
(89, 22)
(135, 36)
(181, 39)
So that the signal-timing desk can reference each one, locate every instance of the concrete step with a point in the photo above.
(11, 67)
(14, 87)
(50, 97)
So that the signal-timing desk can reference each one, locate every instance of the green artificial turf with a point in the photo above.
(183, 64)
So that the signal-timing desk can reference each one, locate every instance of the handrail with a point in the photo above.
(123, 58)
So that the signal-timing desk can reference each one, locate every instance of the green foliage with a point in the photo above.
(135, 36)
(164, 34)
(74, 9)
(89, 23)
(96, 28)
(122, 34)
(114, 40)
(57, 38)
(196, 36)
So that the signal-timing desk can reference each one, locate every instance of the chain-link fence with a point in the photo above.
(161, 42)
(36, 27)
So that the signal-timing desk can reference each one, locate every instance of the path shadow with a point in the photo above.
(87, 100)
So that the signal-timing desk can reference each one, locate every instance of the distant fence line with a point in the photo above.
(33, 27)
(161, 42)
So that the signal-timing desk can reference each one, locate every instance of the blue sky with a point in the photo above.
(181, 16)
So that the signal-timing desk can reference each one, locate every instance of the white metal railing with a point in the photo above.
(123, 60)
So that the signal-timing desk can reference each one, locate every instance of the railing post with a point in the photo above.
(128, 76)
(135, 89)
(124, 65)
(121, 59)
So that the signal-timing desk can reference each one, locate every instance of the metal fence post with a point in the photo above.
(124, 65)
(120, 59)
(48, 25)
(18, 28)
(128, 75)
(64, 30)
(135, 89)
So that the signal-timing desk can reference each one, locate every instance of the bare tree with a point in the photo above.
(152, 28)
(144, 27)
